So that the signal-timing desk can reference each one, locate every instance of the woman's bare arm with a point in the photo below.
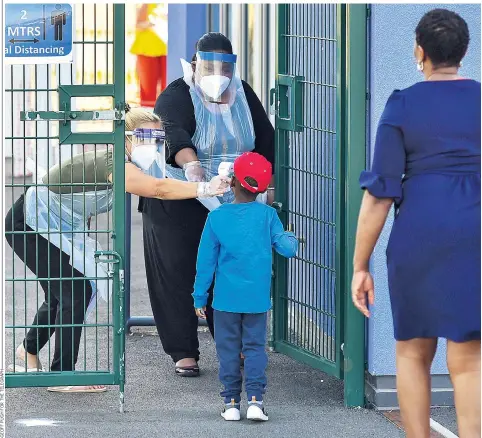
(184, 156)
(142, 19)
(140, 184)
(372, 217)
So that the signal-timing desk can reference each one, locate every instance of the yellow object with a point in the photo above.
(149, 42)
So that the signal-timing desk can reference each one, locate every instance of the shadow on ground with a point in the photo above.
(302, 402)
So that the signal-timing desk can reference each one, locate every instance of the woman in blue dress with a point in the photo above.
(427, 163)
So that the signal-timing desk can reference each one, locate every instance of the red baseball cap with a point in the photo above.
(255, 166)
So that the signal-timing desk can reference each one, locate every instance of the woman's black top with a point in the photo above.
(175, 108)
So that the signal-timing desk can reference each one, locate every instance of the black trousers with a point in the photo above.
(67, 301)
(172, 231)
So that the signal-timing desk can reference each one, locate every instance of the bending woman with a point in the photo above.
(66, 301)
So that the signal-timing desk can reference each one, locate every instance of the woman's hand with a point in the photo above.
(361, 286)
(193, 171)
(201, 313)
(218, 186)
(373, 213)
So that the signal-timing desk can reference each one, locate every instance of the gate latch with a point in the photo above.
(110, 258)
(68, 116)
(288, 102)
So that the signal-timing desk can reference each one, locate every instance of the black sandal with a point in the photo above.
(189, 371)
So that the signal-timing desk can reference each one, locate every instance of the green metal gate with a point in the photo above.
(319, 48)
(59, 111)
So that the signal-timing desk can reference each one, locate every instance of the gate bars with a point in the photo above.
(94, 81)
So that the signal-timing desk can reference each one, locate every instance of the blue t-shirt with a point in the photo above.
(236, 247)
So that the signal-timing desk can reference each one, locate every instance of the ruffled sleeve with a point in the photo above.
(384, 180)
(381, 186)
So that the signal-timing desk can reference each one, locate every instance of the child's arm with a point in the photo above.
(284, 242)
(207, 260)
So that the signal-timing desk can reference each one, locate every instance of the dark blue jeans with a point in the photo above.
(235, 333)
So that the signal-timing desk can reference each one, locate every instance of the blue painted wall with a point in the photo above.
(213, 18)
(392, 66)
(186, 24)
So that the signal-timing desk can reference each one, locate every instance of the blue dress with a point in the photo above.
(427, 158)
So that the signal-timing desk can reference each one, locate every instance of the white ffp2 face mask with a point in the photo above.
(214, 85)
(144, 156)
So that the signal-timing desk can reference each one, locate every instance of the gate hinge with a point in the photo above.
(121, 283)
(121, 276)
(273, 102)
(68, 116)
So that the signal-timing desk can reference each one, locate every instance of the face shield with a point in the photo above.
(147, 148)
(214, 73)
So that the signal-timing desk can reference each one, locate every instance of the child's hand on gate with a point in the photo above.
(201, 313)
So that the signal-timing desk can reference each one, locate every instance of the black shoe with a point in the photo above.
(188, 371)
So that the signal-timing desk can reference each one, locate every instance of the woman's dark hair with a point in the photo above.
(213, 42)
(444, 37)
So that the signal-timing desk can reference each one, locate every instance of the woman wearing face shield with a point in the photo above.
(68, 208)
(211, 117)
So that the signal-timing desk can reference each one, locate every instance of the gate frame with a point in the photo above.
(351, 160)
(117, 255)
(354, 132)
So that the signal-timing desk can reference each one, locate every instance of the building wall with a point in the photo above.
(251, 28)
(392, 66)
(186, 24)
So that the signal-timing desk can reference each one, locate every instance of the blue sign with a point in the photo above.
(38, 33)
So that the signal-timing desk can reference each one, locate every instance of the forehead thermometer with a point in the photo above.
(226, 169)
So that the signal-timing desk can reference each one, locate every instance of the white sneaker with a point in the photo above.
(256, 411)
(231, 411)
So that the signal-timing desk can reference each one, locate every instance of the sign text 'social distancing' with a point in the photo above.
(38, 33)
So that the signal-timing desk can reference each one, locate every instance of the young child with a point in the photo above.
(236, 246)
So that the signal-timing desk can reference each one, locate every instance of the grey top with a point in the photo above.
(92, 167)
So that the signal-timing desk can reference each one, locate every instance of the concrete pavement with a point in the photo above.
(301, 402)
